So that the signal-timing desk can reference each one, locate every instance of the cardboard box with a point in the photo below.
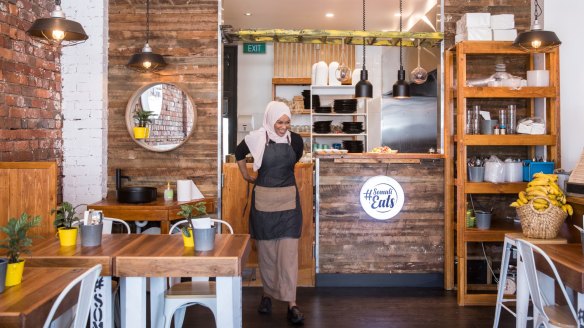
(504, 35)
(503, 22)
(470, 20)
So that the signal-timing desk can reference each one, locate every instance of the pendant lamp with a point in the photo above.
(147, 61)
(401, 88)
(363, 88)
(57, 30)
(536, 39)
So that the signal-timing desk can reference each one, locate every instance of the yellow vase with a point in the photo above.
(188, 241)
(140, 132)
(14, 273)
(68, 237)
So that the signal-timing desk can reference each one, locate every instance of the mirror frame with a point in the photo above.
(129, 116)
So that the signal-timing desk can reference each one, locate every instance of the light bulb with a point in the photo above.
(58, 35)
(536, 44)
(147, 64)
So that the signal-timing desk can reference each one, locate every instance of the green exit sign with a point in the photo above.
(254, 48)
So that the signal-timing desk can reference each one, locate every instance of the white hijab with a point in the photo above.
(256, 140)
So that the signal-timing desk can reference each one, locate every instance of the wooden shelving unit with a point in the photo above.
(457, 189)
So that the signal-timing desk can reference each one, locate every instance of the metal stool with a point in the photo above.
(522, 288)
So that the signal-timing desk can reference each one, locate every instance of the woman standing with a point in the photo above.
(275, 217)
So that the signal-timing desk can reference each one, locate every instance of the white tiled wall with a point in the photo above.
(84, 75)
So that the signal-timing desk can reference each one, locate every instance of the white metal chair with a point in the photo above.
(87, 285)
(197, 291)
(546, 314)
(108, 223)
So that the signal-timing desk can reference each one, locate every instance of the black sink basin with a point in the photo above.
(136, 195)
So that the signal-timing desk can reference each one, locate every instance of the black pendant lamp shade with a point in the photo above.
(364, 88)
(146, 61)
(536, 39)
(57, 29)
(401, 88)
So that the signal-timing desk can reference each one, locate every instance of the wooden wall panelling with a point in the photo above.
(352, 242)
(29, 187)
(185, 34)
(234, 201)
(295, 60)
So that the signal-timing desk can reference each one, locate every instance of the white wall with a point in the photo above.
(563, 20)
(84, 78)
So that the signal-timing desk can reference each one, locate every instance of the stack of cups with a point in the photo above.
(512, 119)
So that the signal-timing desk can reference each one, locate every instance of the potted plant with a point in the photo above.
(64, 222)
(16, 243)
(189, 212)
(142, 118)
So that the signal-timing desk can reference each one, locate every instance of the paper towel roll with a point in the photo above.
(183, 190)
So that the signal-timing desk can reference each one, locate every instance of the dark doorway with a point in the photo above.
(230, 94)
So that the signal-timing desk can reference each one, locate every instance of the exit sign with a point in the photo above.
(254, 48)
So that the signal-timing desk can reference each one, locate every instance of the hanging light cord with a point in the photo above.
(537, 10)
(57, 2)
(147, 21)
(400, 30)
(363, 31)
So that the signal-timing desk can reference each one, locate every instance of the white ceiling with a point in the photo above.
(310, 14)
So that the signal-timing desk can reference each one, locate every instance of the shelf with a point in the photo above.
(303, 112)
(506, 92)
(304, 134)
(494, 188)
(333, 90)
(496, 233)
(339, 114)
(509, 140)
(338, 134)
(291, 81)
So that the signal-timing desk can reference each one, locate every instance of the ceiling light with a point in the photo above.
(58, 30)
(401, 88)
(397, 14)
(247, 14)
(147, 61)
(330, 15)
(363, 88)
(536, 39)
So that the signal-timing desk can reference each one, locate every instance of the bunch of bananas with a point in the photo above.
(543, 185)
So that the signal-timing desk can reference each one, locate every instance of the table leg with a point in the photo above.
(157, 288)
(164, 227)
(133, 302)
(229, 305)
(101, 312)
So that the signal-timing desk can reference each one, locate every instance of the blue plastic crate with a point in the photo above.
(530, 168)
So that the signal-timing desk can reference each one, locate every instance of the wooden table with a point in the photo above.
(158, 210)
(162, 256)
(47, 252)
(29, 304)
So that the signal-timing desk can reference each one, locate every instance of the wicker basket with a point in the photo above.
(543, 225)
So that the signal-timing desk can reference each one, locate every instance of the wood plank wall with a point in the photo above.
(295, 59)
(353, 242)
(185, 33)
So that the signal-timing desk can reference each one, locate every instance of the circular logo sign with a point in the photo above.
(382, 197)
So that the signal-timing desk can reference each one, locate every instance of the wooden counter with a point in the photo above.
(158, 210)
(351, 242)
(236, 196)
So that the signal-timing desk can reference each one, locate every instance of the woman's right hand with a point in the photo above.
(249, 178)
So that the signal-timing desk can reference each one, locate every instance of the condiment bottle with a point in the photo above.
(168, 193)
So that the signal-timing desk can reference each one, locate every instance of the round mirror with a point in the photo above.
(160, 117)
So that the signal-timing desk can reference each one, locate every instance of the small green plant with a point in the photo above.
(66, 215)
(188, 212)
(143, 117)
(17, 242)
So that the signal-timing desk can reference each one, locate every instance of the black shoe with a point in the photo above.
(265, 305)
(295, 316)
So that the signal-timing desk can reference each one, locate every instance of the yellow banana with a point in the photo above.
(563, 199)
(523, 197)
(520, 202)
(568, 208)
(538, 182)
(540, 206)
(515, 204)
(551, 177)
(537, 188)
(537, 193)
(540, 201)
(555, 203)
(556, 189)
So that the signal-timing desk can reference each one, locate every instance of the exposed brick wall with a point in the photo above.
(30, 87)
(175, 119)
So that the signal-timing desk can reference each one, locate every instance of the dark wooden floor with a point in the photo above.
(362, 307)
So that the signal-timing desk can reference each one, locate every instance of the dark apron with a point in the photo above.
(275, 203)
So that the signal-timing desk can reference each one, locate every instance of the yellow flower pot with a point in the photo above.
(141, 132)
(14, 273)
(188, 241)
(68, 237)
